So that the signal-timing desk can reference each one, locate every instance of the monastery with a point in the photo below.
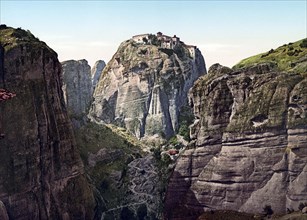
(166, 41)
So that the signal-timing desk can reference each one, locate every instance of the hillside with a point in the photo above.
(289, 57)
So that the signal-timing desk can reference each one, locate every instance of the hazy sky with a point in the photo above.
(225, 31)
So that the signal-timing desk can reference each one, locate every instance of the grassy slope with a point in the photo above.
(289, 57)
(11, 37)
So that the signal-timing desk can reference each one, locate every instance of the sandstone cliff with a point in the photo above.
(96, 72)
(77, 86)
(41, 174)
(249, 144)
(144, 86)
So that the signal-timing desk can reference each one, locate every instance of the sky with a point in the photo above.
(225, 31)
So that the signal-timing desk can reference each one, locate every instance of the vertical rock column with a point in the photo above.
(41, 173)
(77, 86)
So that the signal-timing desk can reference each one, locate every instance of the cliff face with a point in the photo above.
(250, 139)
(41, 174)
(77, 86)
(96, 72)
(143, 88)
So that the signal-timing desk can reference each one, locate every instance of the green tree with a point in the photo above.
(304, 43)
(145, 40)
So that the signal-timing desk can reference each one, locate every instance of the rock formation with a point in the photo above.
(77, 86)
(96, 72)
(144, 86)
(41, 173)
(250, 144)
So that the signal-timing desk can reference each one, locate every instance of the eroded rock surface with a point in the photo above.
(143, 88)
(41, 173)
(250, 144)
(77, 86)
(96, 72)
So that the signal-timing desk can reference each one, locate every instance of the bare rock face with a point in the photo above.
(3, 212)
(77, 86)
(96, 72)
(250, 144)
(143, 88)
(41, 173)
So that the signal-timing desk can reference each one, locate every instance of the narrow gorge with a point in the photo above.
(150, 134)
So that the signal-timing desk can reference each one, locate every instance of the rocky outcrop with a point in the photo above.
(250, 144)
(41, 173)
(143, 88)
(77, 86)
(3, 212)
(96, 72)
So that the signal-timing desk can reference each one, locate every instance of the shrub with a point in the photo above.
(304, 43)
(173, 141)
(154, 40)
(184, 131)
(145, 40)
(290, 53)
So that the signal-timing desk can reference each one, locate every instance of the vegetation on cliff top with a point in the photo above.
(12, 37)
(289, 57)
